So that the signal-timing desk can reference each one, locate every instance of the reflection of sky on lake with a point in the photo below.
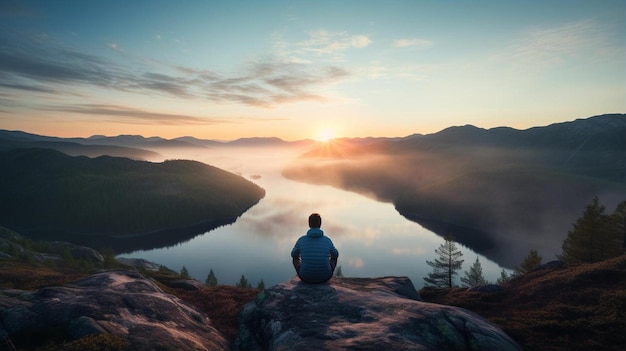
(373, 239)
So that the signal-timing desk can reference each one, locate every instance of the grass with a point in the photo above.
(581, 307)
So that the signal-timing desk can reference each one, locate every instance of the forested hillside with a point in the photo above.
(46, 191)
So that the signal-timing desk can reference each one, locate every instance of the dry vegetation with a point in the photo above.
(221, 303)
(581, 307)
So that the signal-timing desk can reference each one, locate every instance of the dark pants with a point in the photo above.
(297, 263)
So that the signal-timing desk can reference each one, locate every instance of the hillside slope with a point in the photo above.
(580, 307)
(501, 191)
(47, 192)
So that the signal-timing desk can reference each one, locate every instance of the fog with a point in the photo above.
(500, 202)
(372, 237)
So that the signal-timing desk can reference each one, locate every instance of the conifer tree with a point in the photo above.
(504, 278)
(530, 262)
(445, 267)
(595, 236)
(618, 229)
(243, 283)
(338, 272)
(211, 279)
(475, 275)
(261, 285)
(184, 272)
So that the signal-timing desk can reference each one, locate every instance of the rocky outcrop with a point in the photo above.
(11, 245)
(78, 252)
(118, 302)
(361, 314)
(139, 263)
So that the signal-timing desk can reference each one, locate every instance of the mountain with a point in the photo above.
(136, 141)
(133, 146)
(71, 146)
(500, 191)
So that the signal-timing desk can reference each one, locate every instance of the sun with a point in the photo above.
(325, 135)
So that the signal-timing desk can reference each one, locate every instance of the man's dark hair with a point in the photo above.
(315, 220)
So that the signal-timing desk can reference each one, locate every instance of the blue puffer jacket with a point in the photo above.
(314, 249)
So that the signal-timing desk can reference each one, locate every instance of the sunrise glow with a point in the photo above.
(226, 70)
(325, 135)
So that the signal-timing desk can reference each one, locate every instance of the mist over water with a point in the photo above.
(373, 239)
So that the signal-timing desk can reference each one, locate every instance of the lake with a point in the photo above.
(373, 239)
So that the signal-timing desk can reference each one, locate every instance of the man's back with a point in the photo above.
(314, 251)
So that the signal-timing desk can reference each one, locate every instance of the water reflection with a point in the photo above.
(372, 238)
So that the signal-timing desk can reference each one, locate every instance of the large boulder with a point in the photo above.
(361, 314)
(122, 303)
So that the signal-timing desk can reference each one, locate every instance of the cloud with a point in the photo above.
(546, 47)
(332, 44)
(114, 47)
(42, 65)
(135, 116)
(360, 41)
(27, 87)
(272, 82)
(416, 42)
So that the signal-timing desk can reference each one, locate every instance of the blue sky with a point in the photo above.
(294, 69)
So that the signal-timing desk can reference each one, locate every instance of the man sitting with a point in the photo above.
(314, 255)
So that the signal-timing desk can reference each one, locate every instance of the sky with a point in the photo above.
(296, 70)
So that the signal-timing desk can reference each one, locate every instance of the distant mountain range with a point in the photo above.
(130, 146)
(501, 191)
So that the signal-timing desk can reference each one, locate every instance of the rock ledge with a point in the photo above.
(361, 314)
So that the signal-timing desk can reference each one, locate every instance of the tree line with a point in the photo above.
(595, 236)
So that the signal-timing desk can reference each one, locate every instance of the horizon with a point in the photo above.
(330, 139)
(296, 71)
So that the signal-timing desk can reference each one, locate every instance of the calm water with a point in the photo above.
(372, 238)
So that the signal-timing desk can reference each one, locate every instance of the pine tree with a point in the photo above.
(261, 285)
(617, 227)
(530, 262)
(211, 279)
(445, 267)
(475, 276)
(595, 236)
(504, 278)
(184, 272)
(243, 283)
(338, 272)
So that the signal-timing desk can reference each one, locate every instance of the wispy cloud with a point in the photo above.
(324, 42)
(321, 45)
(114, 47)
(49, 67)
(545, 47)
(136, 116)
(271, 82)
(415, 42)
